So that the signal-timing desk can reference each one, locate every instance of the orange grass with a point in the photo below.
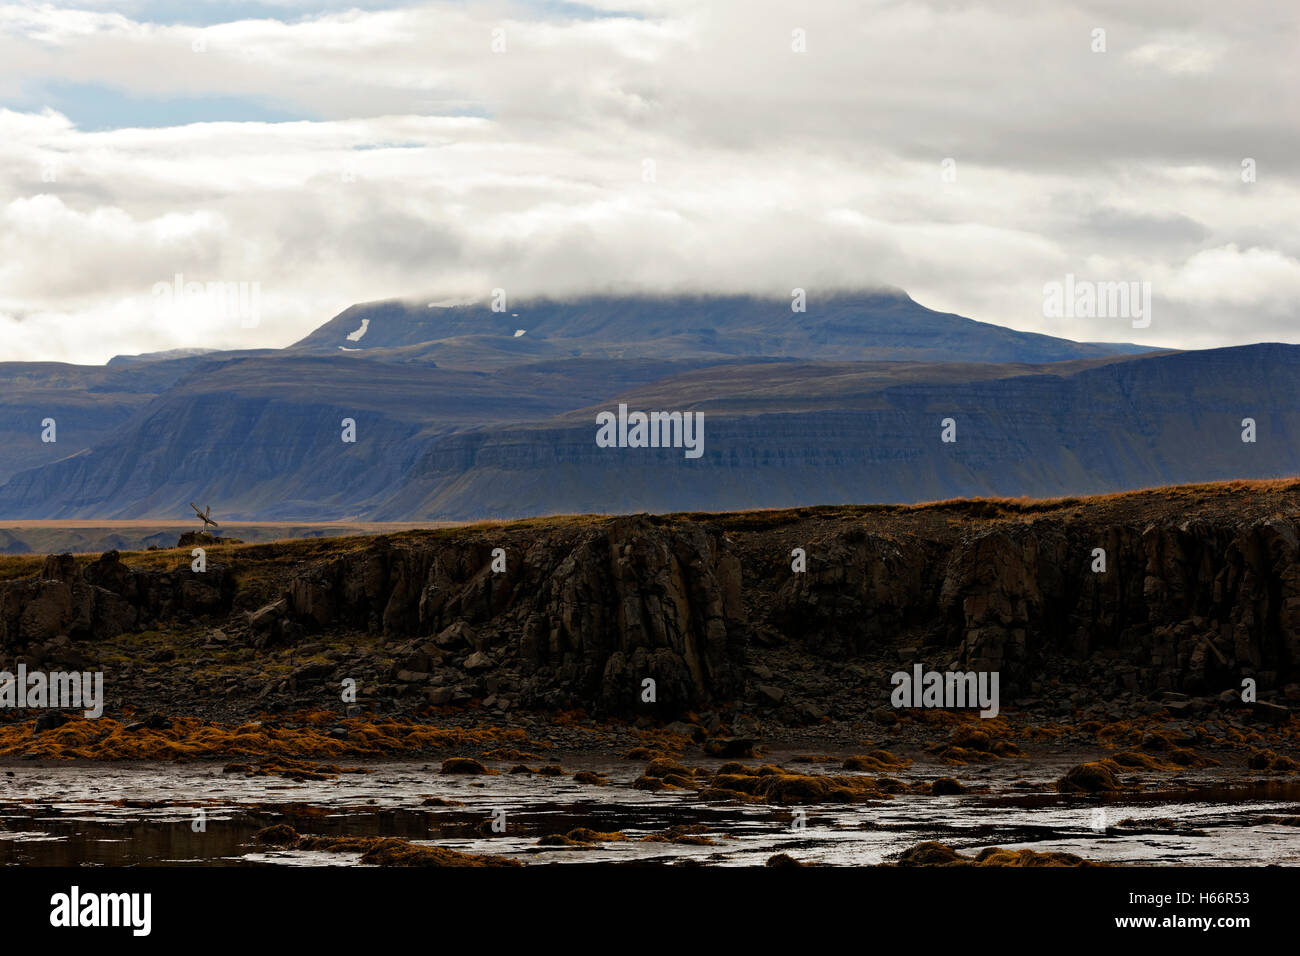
(191, 737)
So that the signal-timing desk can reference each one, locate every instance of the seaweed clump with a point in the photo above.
(878, 761)
(1095, 777)
(932, 853)
(377, 851)
(775, 785)
(463, 765)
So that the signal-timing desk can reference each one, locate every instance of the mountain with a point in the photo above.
(455, 419)
(86, 403)
(165, 356)
(882, 326)
(844, 434)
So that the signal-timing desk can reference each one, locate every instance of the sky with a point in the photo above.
(326, 154)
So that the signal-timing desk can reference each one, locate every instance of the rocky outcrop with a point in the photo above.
(661, 616)
(103, 599)
(585, 615)
(201, 539)
(1191, 606)
(861, 591)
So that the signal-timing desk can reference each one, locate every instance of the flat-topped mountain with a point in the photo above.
(394, 412)
(880, 326)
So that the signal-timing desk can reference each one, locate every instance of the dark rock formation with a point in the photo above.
(1197, 594)
(201, 539)
(585, 614)
(1191, 606)
(103, 599)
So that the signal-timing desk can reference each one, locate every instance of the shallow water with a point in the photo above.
(61, 813)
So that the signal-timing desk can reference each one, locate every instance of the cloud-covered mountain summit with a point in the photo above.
(462, 412)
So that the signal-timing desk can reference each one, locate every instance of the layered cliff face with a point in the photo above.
(776, 437)
(1182, 590)
(583, 615)
(448, 405)
(262, 437)
(1189, 606)
(85, 402)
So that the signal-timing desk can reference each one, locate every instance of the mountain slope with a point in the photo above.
(86, 402)
(265, 435)
(861, 327)
(259, 438)
(1129, 424)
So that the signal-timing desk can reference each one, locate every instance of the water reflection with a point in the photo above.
(145, 813)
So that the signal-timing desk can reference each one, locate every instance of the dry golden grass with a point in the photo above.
(989, 508)
(190, 738)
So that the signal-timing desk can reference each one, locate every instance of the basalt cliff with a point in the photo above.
(1199, 590)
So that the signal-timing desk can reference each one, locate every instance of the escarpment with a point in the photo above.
(1188, 606)
(663, 615)
(584, 614)
(104, 598)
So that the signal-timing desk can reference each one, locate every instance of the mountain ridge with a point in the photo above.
(686, 326)
(462, 428)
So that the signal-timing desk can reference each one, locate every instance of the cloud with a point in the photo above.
(1177, 57)
(672, 145)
